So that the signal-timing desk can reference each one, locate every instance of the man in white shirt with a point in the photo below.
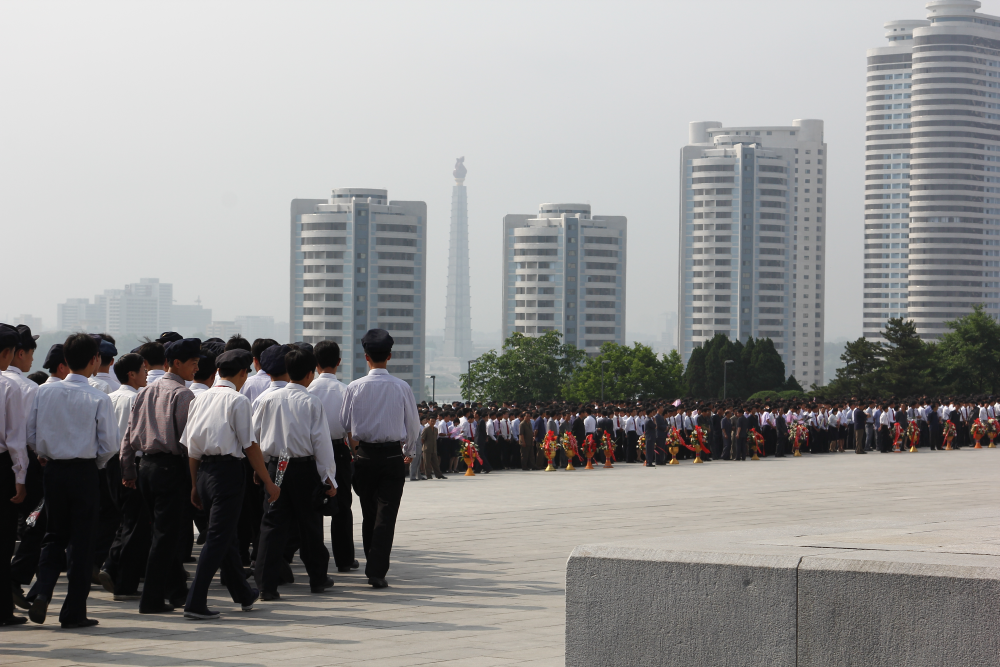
(291, 426)
(273, 362)
(71, 425)
(380, 416)
(156, 359)
(218, 433)
(123, 567)
(631, 436)
(13, 468)
(261, 381)
(102, 379)
(330, 391)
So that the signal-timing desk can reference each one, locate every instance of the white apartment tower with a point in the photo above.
(358, 262)
(752, 228)
(932, 170)
(564, 270)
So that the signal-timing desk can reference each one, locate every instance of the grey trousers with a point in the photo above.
(415, 466)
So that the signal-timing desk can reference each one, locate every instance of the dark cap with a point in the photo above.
(213, 348)
(377, 340)
(25, 340)
(170, 337)
(233, 361)
(135, 350)
(54, 357)
(305, 347)
(184, 349)
(272, 360)
(8, 336)
(215, 340)
(108, 348)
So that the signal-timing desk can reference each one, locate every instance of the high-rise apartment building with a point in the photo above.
(358, 262)
(564, 270)
(458, 304)
(932, 170)
(752, 228)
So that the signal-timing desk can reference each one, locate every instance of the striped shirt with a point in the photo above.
(157, 421)
(380, 408)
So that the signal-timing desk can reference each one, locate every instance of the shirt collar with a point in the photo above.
(79, 379)
(128, 387)
(291, 386)
(219, 382)
(278, 384)
(14, 370)
(51, 379)
(329, 376)
(378, 371)
(176, 378)
(200, 384)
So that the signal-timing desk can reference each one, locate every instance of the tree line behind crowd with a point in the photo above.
(965, 361)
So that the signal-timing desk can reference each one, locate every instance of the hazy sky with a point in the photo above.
(166, 140)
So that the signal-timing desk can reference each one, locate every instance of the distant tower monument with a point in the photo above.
(458, 313)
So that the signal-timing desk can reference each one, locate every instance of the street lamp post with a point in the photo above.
(433, 387)
(725, 366)
(603, 363)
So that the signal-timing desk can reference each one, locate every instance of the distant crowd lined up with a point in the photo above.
(509, 436)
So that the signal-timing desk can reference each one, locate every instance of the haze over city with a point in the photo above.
(168, 139)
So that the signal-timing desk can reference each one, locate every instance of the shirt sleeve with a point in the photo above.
(181, 410)
(319, 433)
(345, 411)
(130, 442)
(17, 428)
(411, 420)
(242, 423)
(108, 438)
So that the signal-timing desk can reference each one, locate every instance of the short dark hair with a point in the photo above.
(127, 363)
(237, 342)
(260, 345)
(153, 353)
(79, 349)
(298, 364)
(39, 377)
(327, 354)
(378, 356)
(206, 366)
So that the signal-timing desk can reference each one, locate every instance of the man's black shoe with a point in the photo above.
(85, 623)
(18, 595)
(268, 596)
(107, 581)
(179, 600)
(13, 620)
(322, 587)
(38, 609)
(203, 615)
(201, 538)
(162, 609)
(378, 582)
(353, 566)
(440, 476)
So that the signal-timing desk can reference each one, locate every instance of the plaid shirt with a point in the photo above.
(157, 421)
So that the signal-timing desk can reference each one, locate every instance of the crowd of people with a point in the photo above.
(510, 436)
(108, 462)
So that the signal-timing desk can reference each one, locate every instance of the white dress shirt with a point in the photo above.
(110, 379)
(380, 408)
(443, 430)
(198, 388)
(630, 424)
(51, 379)
(72, 420)
(219, 423)
(154, 375)
(99, 384)
(27, 388)
(122, 401)
(272, 386)
(291, 418)
(13, 422)
(254, 386)
(330, 392)
(589, 425)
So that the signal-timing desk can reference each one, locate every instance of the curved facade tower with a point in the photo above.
(458, 312)
(932, 184)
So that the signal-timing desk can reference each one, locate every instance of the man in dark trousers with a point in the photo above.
(14, 464)
(381, 419)
(158, 418)
(859, 419)
(218, 434)
(661, 438)
(72, 428)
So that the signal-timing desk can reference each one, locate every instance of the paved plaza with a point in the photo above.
(479, 565)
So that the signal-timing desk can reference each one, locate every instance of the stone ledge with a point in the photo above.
(792, 596)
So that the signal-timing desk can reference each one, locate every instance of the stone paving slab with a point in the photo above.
(478, 574)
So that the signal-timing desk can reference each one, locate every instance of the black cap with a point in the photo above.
(54, 357)
(213, 347)
(108, 348)
(233, 361)
(184, 349)
(305, 347)
(25, 341)
(377, 340)
(135, 350)
(8, 336)
(168, 337)
(272, 360)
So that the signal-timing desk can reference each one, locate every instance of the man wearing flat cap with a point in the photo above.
(13, 468)
(381, 419)
(155, 426)
(218, 435)
(272, 362)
